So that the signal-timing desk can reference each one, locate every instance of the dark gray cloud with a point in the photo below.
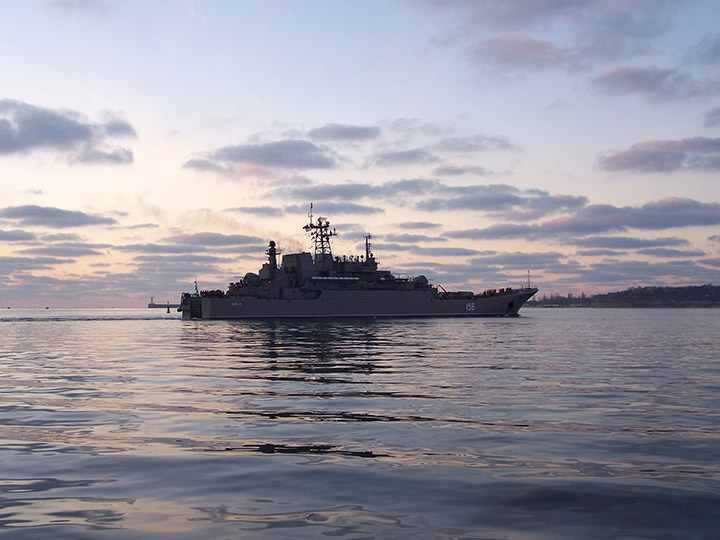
(671, 253)
(707, 50)
(61, 237)
(712, 117)
(626, 242)
(285, 154)
(60, 250)
(328, 208)
(16, 236)
(644, 272)
(10, 266)
(405, 157)
(714, 238)
(497, 231)
(653, 83)
(696, 153)
(351, 191)
(664, 214)
(56, 218)
(344, 132)
(496, 199)
(598, 252)
(25, 128)
(519, 260)
(112, 156)
(412, 225)
(514, 50)
(212, 239)
(502, 198)
(202, 164)
(711, 262)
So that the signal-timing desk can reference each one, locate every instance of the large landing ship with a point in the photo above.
(324, 285)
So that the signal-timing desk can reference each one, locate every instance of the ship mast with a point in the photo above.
(368, 253)
(320, 233)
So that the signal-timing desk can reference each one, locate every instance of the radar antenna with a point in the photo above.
(320, 233)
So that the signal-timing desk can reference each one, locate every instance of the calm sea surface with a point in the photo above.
(560, 424)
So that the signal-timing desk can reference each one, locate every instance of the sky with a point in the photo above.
(144, 145)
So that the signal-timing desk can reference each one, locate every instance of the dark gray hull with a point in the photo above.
(339, 303)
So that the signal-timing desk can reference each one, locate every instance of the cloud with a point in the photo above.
(11, 266)
(593, 29)
(459, 170)
(412, 225)
(712, 117)
(181, 259)
(73, 7)
(663, 214)
(671, 253)
(56, 218)
(344, 132)
(707, 50)
(113, 156)
(474, 143)
(160, 248)
(653, 83)
(202, 164)
(352, 191)
(599, 252)
(626, 242)
(446, 251)
(500, 230)
(504, 13)
(696, 153)
(405, 157)
(212, 239)
(327, 208)
(502, 198)
(284, 154)
(267, 211)
(16, 236)
(60, 250)
(514, 50)
(26, 128)
(413, 238)
(711, 262)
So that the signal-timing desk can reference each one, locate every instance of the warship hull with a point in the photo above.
(337, 303)
(325, 285)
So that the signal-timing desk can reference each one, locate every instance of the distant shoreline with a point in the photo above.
(693, 296)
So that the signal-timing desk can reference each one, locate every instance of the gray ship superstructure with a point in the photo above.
(324, 285)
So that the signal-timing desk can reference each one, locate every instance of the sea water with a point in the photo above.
(562, 423)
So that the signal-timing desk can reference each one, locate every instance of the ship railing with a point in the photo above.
(334, 278)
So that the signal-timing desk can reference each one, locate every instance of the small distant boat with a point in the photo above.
(323, 285)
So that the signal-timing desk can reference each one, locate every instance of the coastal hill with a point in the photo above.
(698, 296)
